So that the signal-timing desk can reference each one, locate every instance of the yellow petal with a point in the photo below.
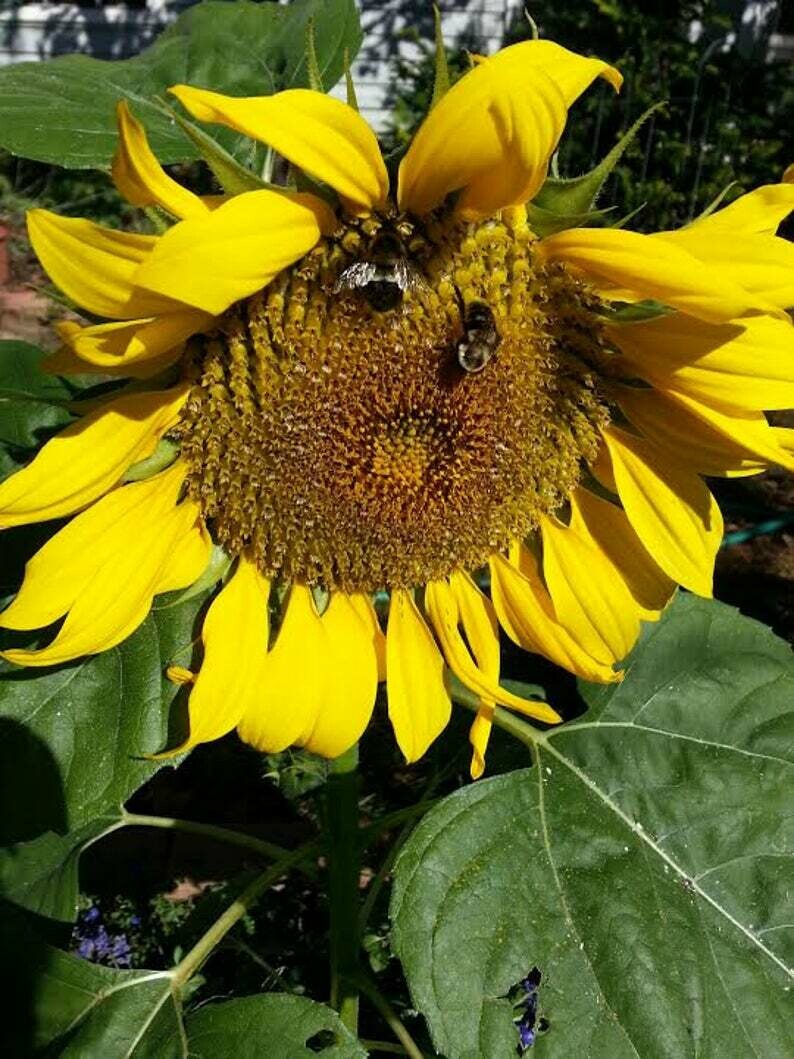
(671, 509)
(140, 178)
(119, 595)
(479, 738)
(127, 342)
(320, 135)
(230, 681)
(650, 268)
(784, 436)
(350, 680)
(479, 621)
(212, 261)
(419, 703)
(482, 632)
(188, 562)
(759, 212)
(592, 603)
(526, 614)
(293, 678)
(443, 611)
(365, 609)
(710, 441)
(765, 266)
(89, 457)
(606, 525)
(747, 364)
(63, 567)
(492, 134)
(64, 361)
(95, 266)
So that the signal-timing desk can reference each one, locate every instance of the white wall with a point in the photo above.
(37, 31)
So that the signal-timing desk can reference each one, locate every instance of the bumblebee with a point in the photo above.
(383, 274)
(480, 339)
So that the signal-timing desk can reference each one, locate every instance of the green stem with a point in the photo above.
(390, 1016)
(508, 722)
(383, 1046)
(194, 959)
(344, 854)
(223, 834)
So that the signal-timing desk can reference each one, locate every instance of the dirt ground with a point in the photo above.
(756, 574)
(26, 312)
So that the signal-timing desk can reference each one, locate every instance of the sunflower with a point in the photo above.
(396, 390)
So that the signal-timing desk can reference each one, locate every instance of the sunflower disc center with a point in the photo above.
(347, 446)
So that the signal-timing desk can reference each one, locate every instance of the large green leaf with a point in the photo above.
(275, 1026)
(21, 376)
(63, 110)
(32, 404)
(70, 1007)
(42, 875)
(74, 736)
(643, 865)
(94, 1012)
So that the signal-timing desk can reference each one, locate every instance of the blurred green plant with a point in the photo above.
(729, 114)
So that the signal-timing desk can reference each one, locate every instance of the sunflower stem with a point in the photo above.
(268, 850)
(344, 854)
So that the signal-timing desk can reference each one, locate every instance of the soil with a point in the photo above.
(26, 311)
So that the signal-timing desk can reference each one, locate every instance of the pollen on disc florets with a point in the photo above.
(346, 446)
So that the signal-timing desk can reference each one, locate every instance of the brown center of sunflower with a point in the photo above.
(335, 431)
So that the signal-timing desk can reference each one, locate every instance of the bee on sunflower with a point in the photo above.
(390, 388)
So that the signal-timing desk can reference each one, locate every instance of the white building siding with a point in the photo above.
(38, 31)
(41, 30)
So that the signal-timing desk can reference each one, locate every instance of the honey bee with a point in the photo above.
(384, 273)
(480, 339)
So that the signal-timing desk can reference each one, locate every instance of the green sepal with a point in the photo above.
(714, 204)
(215, 571)
(300, 181)
(624, 220)
(350, 88)
(162, 457)
(578, 196)
(441, 78)
(636, 312)
(234, 178)
(544, 223)
(159, 219)
(313, 74)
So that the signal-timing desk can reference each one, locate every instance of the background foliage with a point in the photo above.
(729, 113)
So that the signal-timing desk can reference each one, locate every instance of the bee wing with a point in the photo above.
(358, 274)
(408, 277)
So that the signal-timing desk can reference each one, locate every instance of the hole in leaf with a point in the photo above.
(524, 996)
(322, 1040)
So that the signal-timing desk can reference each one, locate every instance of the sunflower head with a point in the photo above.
(397, 390)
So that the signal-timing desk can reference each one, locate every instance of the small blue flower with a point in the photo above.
(120, 951)
(526, 1035)
(525, 1025)
(94, 943)
(86, 949)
